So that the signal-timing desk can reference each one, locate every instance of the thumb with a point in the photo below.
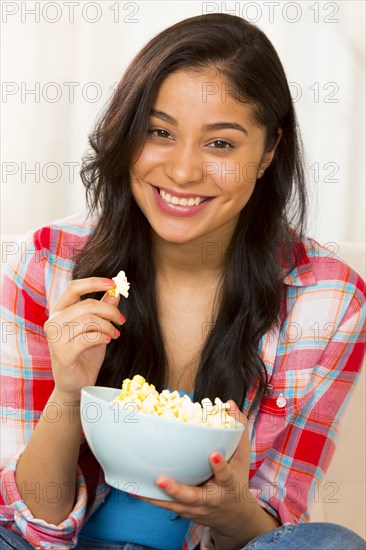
(114, 301)
(110, 299)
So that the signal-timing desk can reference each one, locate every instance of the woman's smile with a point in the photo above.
(172, 194)
(182, 206)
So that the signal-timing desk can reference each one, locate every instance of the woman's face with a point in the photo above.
(196, 170)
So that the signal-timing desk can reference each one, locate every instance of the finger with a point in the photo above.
(180, 492)
(78, 287)
(221, 468)
(89, 340)
(111, 299)
(195, 509)
(170, 505)
(88, 324)
(114, 301)
(83, 308)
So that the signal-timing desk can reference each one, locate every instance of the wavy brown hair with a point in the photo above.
(271, 222)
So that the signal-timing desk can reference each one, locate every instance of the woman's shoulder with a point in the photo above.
(322, 280)
(51, 247)
(329, 262)
(320, 265)
(63, 236)
(41, 261)
(58, 240)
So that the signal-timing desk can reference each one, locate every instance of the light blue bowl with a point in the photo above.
(134, 448)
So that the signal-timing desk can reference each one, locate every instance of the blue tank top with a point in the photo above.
(123, 518)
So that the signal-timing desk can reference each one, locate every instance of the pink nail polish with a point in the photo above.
(216, 458)
(163, 484)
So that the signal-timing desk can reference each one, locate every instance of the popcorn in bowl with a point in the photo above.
(134, 447)
(121, 285)
(169, 404)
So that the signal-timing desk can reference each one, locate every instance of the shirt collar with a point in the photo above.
(302, 274)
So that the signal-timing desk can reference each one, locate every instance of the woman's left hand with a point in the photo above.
(221, 502)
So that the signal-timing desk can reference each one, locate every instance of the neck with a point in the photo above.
(196, 262)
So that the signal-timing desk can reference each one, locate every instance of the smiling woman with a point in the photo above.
(195, 188)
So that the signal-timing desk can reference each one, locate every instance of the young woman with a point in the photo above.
(196, 190)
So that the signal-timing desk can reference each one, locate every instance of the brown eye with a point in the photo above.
(223, 144)
(158, 132)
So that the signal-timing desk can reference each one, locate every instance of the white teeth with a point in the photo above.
(191, 201)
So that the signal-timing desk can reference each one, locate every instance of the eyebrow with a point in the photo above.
(212, 126)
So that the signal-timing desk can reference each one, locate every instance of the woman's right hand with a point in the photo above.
(78, 332)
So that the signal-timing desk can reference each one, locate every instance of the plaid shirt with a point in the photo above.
(313, 362)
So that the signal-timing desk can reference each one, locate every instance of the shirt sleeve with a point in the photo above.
(26, 383)
(298, 424)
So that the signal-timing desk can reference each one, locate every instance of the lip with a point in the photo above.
(176, 209)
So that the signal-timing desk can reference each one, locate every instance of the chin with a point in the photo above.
(180, 237)
(175, 239)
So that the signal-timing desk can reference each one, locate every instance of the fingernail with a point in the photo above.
(108, 282)
(216, 458)
(116, 333)
(122, 319)
(163, 483)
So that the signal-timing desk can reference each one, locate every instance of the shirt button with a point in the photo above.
(281, 401)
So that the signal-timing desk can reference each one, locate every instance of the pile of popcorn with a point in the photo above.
(171, 405)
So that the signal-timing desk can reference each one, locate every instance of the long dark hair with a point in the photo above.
(267, 231)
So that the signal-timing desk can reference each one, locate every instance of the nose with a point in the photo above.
(184, 164)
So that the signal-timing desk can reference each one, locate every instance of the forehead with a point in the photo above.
(200, 95)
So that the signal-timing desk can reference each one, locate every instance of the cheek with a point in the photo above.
(140, 169)
(134, 177)
(149, 159)
(137, 193)
(244, 195)
(237, 188)
(250, 172)
(237, 176)
(135, 181)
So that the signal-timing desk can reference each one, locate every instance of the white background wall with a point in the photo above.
(72, 53)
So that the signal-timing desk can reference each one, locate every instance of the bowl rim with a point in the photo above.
(240, 426)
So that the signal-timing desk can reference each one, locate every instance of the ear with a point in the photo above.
(268, 156)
